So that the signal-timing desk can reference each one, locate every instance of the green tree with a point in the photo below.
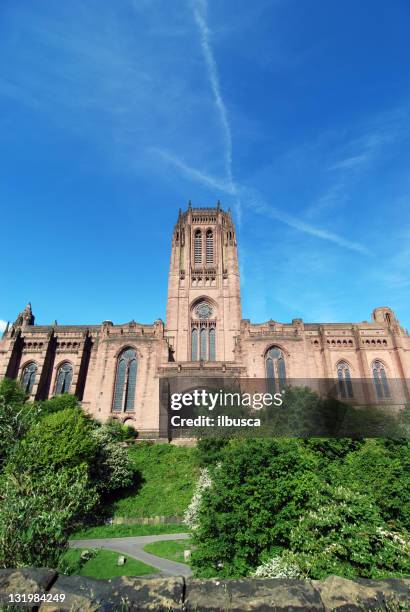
(16, 416)
(343, 533)
(256, 498)
(36, 515)
(60, 440)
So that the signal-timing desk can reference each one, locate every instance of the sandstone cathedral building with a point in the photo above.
(114, 370)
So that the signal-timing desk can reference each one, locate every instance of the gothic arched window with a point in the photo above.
(198, 247)
(275, 368)
(28, 377)
(344, 379)
(380, 380)
(64, 377)
(203, 331)
(209, 246)
(125, 381)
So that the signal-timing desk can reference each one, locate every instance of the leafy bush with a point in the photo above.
(277, 567)
(343, 534)
(318, 507)
(209, 451)
(65, 401)
(36, 515)
(16, 417)
(255, 500)
(60, 440)
(118, 432)
(112, 468)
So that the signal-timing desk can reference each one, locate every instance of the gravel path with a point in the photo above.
(133, 547)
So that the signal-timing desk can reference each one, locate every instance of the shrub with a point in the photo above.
(256, 498)
(61, 439)
(16, 417)
(36, 515)
(118, 432)
(65, 401)
(381, 469)
(277, 567)
(343, 534)
(312, 507)
(112, 468)
(209, 451)
(192, 512)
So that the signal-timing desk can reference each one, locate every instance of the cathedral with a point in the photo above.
(115, 369)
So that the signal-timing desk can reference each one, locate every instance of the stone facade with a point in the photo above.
(115, 369)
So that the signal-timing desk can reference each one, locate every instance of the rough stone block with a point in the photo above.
(125, 593)
(25, 581)
(360, 594)
(251, 594)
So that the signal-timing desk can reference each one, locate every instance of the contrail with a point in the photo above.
(258, 205)
(192, 173)
(200, 14)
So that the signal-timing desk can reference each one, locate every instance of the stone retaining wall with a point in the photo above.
(148, 520)
(126, 593)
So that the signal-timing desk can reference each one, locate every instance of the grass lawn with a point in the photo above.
(173, 549)
(104, 565)
(124, 531)
(168, 477)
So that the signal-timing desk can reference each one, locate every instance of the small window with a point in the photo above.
(64, 377)
(28, 377)
(344, 379)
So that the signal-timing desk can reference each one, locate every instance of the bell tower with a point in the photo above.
(204, 305)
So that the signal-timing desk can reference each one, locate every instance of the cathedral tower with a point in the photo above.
(204, 305)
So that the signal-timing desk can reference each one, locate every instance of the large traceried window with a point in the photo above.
(28, 377)
(125, 381)
(209, 247)
(380, 380)
(275, 369)
(203, 332)
(198, 247)
(344, 380)
(63, 379)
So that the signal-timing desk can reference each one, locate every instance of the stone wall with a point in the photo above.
(175, 593)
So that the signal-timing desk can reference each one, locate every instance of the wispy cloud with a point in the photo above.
(350, 162)
(3, 325)
(200, 9)
(356, 155)
(256, 204)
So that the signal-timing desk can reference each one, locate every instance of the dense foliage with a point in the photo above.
(304, 507)
(36, 514)
(57, 463)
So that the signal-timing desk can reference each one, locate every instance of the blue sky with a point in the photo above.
(114, 114)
